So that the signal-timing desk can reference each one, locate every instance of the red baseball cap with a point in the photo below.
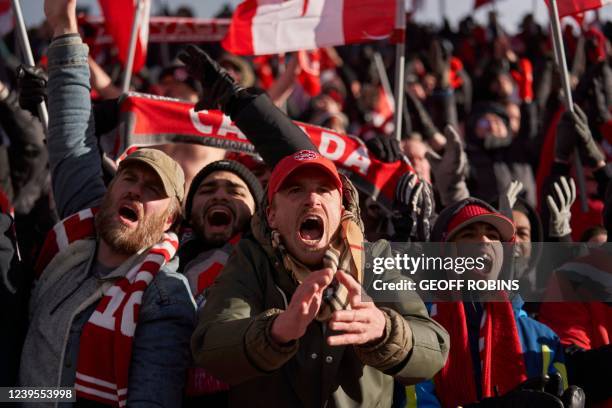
(291, 163)
(473, 213)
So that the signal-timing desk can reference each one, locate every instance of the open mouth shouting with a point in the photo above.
(487, 262)
(218, 218)
(129, 214)
(311, 229)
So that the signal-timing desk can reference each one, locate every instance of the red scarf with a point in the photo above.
(501, 358)
(105, 349)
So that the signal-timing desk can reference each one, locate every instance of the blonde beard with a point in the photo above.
(124, 240)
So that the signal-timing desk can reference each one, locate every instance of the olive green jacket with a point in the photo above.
(232, 340)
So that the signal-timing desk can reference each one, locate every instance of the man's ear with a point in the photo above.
(271, 216)
(172, 216)
(169, 221)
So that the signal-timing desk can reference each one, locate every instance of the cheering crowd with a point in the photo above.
(187, 275)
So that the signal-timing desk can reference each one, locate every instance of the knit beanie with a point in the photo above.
(224, 165)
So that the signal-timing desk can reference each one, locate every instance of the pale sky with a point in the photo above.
(511, 11)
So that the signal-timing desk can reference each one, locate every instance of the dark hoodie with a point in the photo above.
(492, 169)
(526, 269)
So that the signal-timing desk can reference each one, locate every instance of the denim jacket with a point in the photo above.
(62, 302)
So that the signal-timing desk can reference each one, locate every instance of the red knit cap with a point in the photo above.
(473, 213)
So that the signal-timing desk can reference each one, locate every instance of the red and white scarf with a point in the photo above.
(105, 349)
(201, 276)
(501, 358)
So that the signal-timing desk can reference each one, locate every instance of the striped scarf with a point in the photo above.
(200, 277)
(501, 359)
(105, 348)
(345, 254)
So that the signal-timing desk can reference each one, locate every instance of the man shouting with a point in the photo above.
(109, 314)
(285, 322)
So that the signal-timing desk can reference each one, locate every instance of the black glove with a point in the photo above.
(573, 132)
(384, 147)
(218, 86)
(573, 397)
(413, 209)
(519, 399)
(544, 391)
(32, 83)
(550, 383)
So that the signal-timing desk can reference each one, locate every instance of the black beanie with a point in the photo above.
(224, 165)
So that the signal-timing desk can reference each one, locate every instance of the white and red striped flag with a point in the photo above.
(573, 7)
(261, 27)
(118, 22)
(7, 20)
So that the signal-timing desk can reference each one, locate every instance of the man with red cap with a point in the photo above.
(286, 319)
(500, 356)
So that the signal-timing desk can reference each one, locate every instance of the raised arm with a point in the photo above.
(267, 127)
(76, 169)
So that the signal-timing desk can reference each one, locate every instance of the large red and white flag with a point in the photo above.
(118, 21)
(261, 27)
(7, 20)
(573, 7)
(148, 120)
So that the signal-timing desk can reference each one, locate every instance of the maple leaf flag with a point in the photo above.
(261, 27)
(118, 22)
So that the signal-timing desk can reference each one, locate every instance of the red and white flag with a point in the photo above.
(573, 7)
(261, 27)
(7, 20)
(148, 120)
(118, 22)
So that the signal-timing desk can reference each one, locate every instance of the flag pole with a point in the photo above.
(567, 91)
(384, 79)
(443, 10)
(399, 38)
(24, 43)
(127, 75)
